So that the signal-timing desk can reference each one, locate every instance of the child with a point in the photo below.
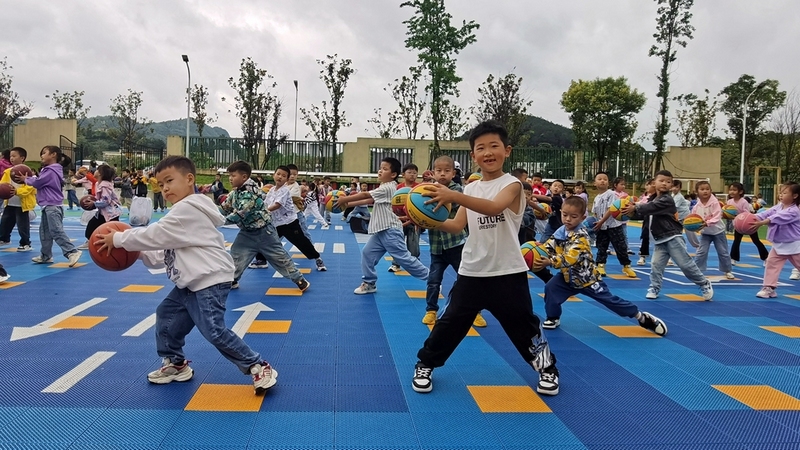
(158, 199)
(541, 195)
(5, 163)
(644, 248)
(580, 191)
(783, 230)
(527, 229)
(246, 207)
(570, 252)
(298, 203)
(4, 276)
(188, 243)
(51, 198)
(684, 208)
(556, 200)
(411, 231)
(139, 183)
(69, 186)
(324, 189)
(126, 189)
(492, 274)
(385, 229)
(16, 211)
(284, 217)
(713, 230)
(609, 229)
(312, 202)
(736, 191)
(619, 190)
(218, 188)
(445, 247)
(106, 202)
(667, 238)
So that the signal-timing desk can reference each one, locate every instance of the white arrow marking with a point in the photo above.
(250, 313)
(44, 327)
(138, 329)
(80, 371)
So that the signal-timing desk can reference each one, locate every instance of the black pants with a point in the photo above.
(615, 236)
(737, 240)
(294, 234)
(508, 299)
(644, 250)
(95, 223)
(14, 215)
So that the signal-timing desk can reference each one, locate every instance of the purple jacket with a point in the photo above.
(48, 185)
(784, 223)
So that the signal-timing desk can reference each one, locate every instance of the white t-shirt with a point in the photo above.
(492, 247)
(285, 214)
(601, 204)
(294, 191)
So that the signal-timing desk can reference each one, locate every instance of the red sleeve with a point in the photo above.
(90, 177)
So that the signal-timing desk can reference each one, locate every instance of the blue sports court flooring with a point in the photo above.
(76, 344)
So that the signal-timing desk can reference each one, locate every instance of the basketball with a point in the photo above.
(729, 212)
(543, 215)
(399, 201)
(330, 202)
(421, 214)
(267, 187)
(21, 169)
(87, 202)
(474, 177)
(221, 199)
(693, 222)
(531, 251)
(590, 222)
(617, 206)
(119, 259)
(5, 191)
(744, 223)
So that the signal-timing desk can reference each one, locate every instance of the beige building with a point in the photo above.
(695, 163)
(358, 156)
(34, 134)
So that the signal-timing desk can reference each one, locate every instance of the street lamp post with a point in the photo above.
(296, 95)
(744, 127)
(188, 101)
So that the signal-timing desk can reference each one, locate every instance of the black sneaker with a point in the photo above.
(551, 323)
(652, 323)
(303, 284)
(235, 285)
(422, 378)
(394, 268)
(548, 381)
(321, 265)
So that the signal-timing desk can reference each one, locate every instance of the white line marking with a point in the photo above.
(319, 246)
(312, 227)
(80, 372)
(338, 247)
(44, 327)
(159, 271)
(139, 329)
(294, 250)
(250, 313)
(338, 227)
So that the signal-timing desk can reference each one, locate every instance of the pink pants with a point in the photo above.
(774, 266)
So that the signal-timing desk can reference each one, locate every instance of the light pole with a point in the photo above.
(188, 101)
(296, 95)
(744, 127)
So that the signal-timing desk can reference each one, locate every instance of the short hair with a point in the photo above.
(537, 175)
(488, 127)
(527, 187)
(794, 189)
(601, 172)
(738, 186)
(326, 178)
(6, 154)
(575, 202)
(664, 173)
(182, 164)
(410, 166)
(677, 183)
(702, 183)
(20, 151)
(394, 165)
(240, 166)
(519, 171)
(283, 168)
(558, 181)
(292, 167)
(126, 170)
(106, 172)
(445, 159)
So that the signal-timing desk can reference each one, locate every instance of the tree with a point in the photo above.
(69, 105)
(500, 99)
(436, 40)
(253, 105)
(11, 107)
(602, 114)
(274, 138)
(384, 129)
(335, 74)
(454, 121)
(410, 104)
(786, 136)
(131, 128)
(673, 29)
(199, 99)
(696, 119)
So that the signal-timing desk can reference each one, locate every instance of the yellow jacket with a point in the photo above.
(153, 184)
(26, 194)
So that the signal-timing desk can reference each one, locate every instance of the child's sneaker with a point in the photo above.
(84, 246)
(628, 272)
(642, 261)
(74, 257)
(5, 242)
(652, 323)
(264, 377)
(652, 293)
(551, 323)
(430, 318)
(479, 321)
(4, 276)
(548, 381)
(170, 372)
(795, 275)
(24, 248)
(394, 268)
(321, 265)
(729, 276)
(422, 378)
(601, 270)
(767, 292)
(258, 265)
(235, 285)
(41, 260)
(707, 291)
(303, 284)
(365, 288)
(734, 262)
(325, 226)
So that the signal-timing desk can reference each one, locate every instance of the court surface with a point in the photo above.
(76, 345)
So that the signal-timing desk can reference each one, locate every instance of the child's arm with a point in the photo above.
(507, 198)
(573, 249)
(455, 225)
(778, 216)
(153, 259)
(528, 218)
(343, 200)
(368, 201)
(245, 202)
(168, 232)
(715, 215)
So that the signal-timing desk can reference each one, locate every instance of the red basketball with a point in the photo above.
(119, 259)
(87, 202)
(21, 169)
(744, 223)
(5, 191)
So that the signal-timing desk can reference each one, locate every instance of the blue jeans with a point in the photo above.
(449, 257)
(51, 228)
(411, 237)
(674, 248)
(301, 217)
(72, 198)
(265, 241)
(393, 242)
(547, 233)
(557, 291)
(183, 309)
(720, 242)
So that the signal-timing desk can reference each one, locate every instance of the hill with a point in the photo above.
(546, 132)
(160, 129)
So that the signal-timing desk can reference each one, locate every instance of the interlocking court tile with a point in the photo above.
(507, 399)
(419, 294)
(270, 326)
(11, 284)
(225, 397)
(615, 276)
(686, 297)
(796, 297)
(142, 288)
(571, 298)
(746, 266)
(284, 291)
(298, 256)
(472, 331)
(788, 331)
(402, 273)
(79, 322)
(65, 265)
(761, 398)
(629, 331)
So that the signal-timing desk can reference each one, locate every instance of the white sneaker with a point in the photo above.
(264, 377)
(325, 227)
(74, 257)
(365, 288)
(730, 276)
(258, 265)
(641, 261)
(767, 292)
(652, 293)
(707, 291)
(795, 275)
(84, 246)
(41, 260)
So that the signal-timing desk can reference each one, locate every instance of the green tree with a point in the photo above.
(500, 99)
(11, 107)
(785, 134)
(454, 121)
(696, 119)
(335, 74)
(253, 105)
(602, 114)
(274, 138)
(673, 29)
(437, 41)
(385, 129)
(131, 128)
(410, 103)
(199, 99)
(69, 105)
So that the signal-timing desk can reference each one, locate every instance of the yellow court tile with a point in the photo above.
(65, 265)
(788, 331)
(507, 399)
(79, 322)
(284, 291)
(11, 284)
(621, 277)
(571, 298)
(686, 297)
(530, 276)
(629, 331)
(472, 331)
(298, 256)
(419, 294)
(761, 398)
(388, 258)
(746, 266)
(142, 288)
(225, 397)
(402, 273)
(796, 297)
(305, 271)
(9, 250)
(270, 326)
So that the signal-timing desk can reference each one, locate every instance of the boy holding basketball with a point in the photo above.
(17, 207)
(570, 252)
(186, 241)
(410, 231)
(492, 274)
(609, 229)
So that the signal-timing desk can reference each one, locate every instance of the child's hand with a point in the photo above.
(761, 223)
(341, 201)
(20, 178)
(13, 191)
(405, 220)
(597, 225)
(105, 241)
(439, 194)
(629, 209)
(540, 263)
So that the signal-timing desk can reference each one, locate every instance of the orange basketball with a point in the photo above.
(119, 259)
(5, 191)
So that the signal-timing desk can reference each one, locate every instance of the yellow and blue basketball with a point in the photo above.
(617, 206)
(399, 200)
(330, 201)
(531, 251)
(693, 222)
(729, 211)
(474, 177)
(424, 215)
(543, 215)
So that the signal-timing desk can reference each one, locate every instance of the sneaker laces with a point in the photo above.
(548, 376)
(422, 372)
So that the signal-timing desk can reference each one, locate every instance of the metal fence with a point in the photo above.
(6, 137)
(212, 153)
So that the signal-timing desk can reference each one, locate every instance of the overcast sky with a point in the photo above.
(106, 47)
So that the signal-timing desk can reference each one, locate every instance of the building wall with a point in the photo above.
(695, 163)
(356, 155)
(34, 134)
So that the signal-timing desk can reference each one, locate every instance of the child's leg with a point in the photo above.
(7, 223)
(657, 265)
(762, 251)
(24, 226)
(694, 240)
(301, 220)
(438, 266)
(392, 241)
(244, 248)
(678, 253)
(556, 292)
(173, 323)
(737, 240)
(544, 275)
(270, 247)
(772, 271)
(372, 252)
(795, 260)
(93, 224)
(721, 245)
(46, 241)
(412, 241)
(620, 243)
(601, 242)
(644, 249)
(701, 257)
(55, 220)
(599, 292)
(547, 233)
(294, 234)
